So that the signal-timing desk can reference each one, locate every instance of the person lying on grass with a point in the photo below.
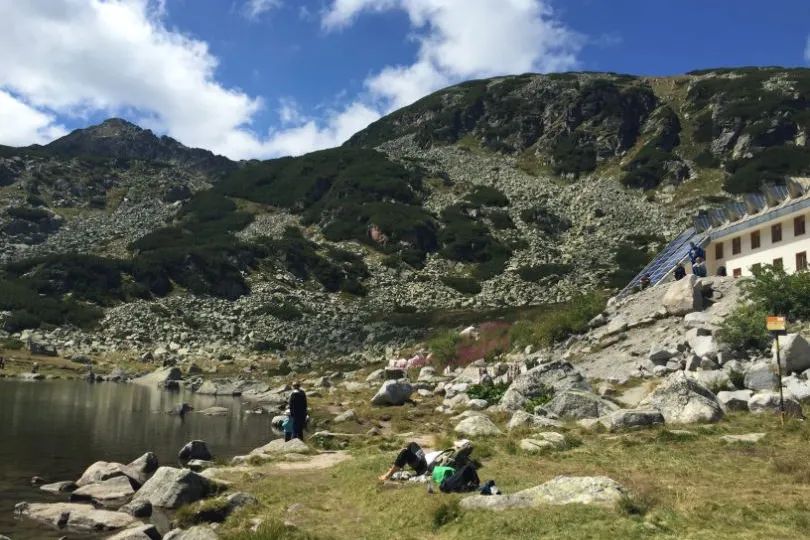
(413, 456)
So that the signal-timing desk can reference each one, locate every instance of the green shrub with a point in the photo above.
(28, 214)
(558, 322)
(283, 311)
(573, 156)
(462, 284)
(773, 290)
(547, 221)
(487, 196)
(772, 165)
(35, 200)
(444, 347)
(536, 273)
(11, 344)
(541, 396)
(492, 393)
(501, 220)
(707, 160)
(648, 168)
(636, 504)
(745, 329)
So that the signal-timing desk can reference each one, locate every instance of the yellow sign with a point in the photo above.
(776, 324)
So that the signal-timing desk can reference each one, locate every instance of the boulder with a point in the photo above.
(747, 438)
(39, 347)
(631, 419)
(60, 487)
(194, 450)
(393, 393)
(702, 346)
(523, 419)
(578, 404)
(798, 388)
(659, 356)
(172, 488)
(699, 319)
(143, 532)
(544, 441)
(160, 377)
(347, 416)
(477, 404)
(794, 353)
(591, 490)
(111, 493)
(715, 380)
(144, 466)
(553, 377)
(682, 400)
(734, 401)
(768, 401)
(77, 517)
(195, 533)
(137, 509)
(279, 446)
(683, 296)
(761, 376)
(378, 375)
(218, 510)
(477, 426)
(102, 470)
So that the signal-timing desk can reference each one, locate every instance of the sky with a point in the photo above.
(269, 78)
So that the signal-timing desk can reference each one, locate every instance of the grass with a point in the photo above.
(678, 487)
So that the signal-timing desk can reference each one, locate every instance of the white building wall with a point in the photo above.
(767, 251)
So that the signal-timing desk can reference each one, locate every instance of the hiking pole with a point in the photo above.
(779, 371)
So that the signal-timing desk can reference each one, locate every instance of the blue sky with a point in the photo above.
(263, 78)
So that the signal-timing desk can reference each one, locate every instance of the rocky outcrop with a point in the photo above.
(142, 532)
(681, 400)
(545, 379)
(577, 404)
(683, 296)
(160, 377)
(543, 441)
(768, 401)
(589, 490)
(194, 450)
(631, 419)
(77, 517)
(195, 533)
(794, 353)
(172, 488)
(111, 493)
(394, 392)
(477, 426)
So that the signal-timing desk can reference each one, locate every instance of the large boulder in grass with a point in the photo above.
(682, 400)
(631, 419)
(577, 404)
(532, 421)
(794, 353)
(545, 379)
(195, 533)
(195, 450)
(683, 296)
(768, 401)
(477, 426)
(734, 401)
(590, 490)
(394, 392)
(761, 376)
(172, 488)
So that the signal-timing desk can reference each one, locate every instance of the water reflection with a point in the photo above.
(55, 429)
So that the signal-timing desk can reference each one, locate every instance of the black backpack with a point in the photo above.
(463, 480)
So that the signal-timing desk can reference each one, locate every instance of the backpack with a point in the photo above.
(463, 480)
(454, 457)
(441, 473)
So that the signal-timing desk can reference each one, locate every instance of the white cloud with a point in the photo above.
(807, 51)
(459, 39)
(253, 9)
(21, 125)
(289, 112)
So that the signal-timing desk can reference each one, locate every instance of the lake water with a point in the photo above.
(56, 429)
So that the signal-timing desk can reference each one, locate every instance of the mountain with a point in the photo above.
(479, 201)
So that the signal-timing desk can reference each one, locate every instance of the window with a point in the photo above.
(776, 233)
(801, 261)
(737, 272)
(777, 263)
(755, 268)
(798, 226)
(736, 246)
(755, 240)
(718, 251)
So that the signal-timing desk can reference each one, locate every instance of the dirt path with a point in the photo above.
(320, 461)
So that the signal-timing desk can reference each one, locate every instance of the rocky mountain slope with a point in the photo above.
(488, 196)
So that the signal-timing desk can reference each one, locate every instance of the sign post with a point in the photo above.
(776, 326)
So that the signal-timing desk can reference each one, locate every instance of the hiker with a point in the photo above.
(645, 281)
(695, 252)
(699, 267)
(722, 271)
(413, 456)
(680, 272)
(288, 426)
(2, 363)
(35, 368)
(298, 410)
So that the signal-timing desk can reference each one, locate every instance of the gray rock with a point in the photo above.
(144, 466)
(659, 356)
(137, 509)
(544, 441)
(747, 438)
(39, 347)
(523, 419)
(60, 487)
(195, 533)
(198, 465)
(699, 319)
(631, 419)
(194, 450)
(347, 416)
(172, 488)
(143, 532)
(278, 446)
(734, 401)
(557, 376)
(77, 517)
(214, 411)
(111, 493)
(798, 388)
(393, 393)
(477, 404)
(578, 404)
(683, 296)
(768, 401)
(477, 426)
(794, 353)
(714, 380)
(590, 490)
(378, 375)
(761, 376)
(160, 377)
(682, 400)
(703, 346)
(102, 470)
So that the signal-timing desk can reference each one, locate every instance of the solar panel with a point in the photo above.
(735, 210)
(675, 252)
(754, 202)
(794, 188)
(774, 194)
(781, 192)
(717, 217)
(701, 223)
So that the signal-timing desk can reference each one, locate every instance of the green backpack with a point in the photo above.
(441, 472)
(454, 458)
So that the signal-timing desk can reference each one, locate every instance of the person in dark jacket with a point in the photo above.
(298, 410)
(695, 252)
(680, 272)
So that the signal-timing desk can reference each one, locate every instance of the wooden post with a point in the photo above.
(779, 371)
